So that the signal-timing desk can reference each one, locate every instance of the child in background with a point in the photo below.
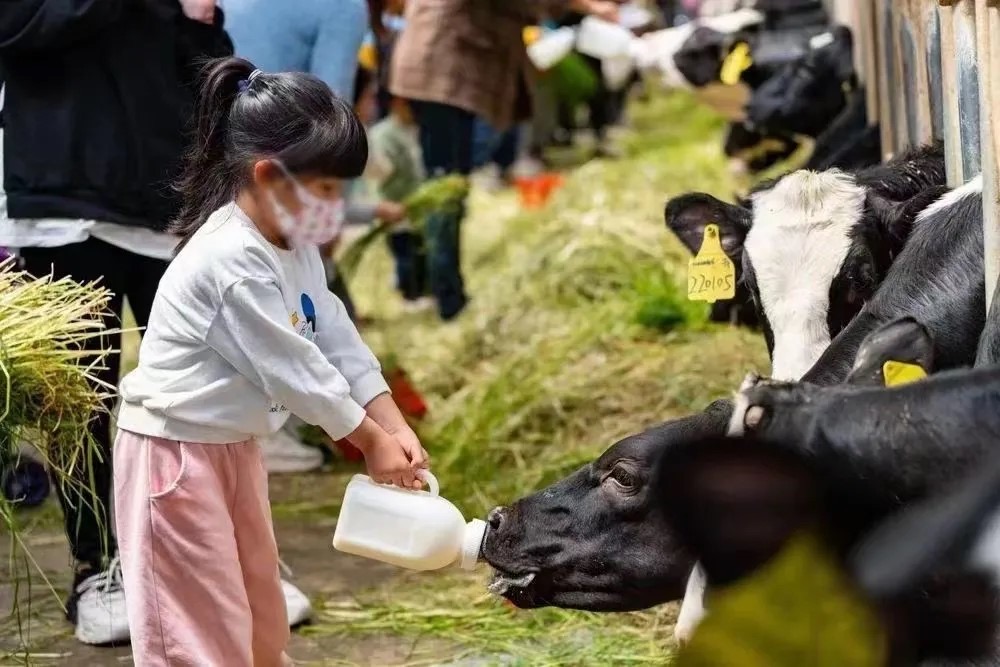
(243, 332)
(396, 168)
(360, 209)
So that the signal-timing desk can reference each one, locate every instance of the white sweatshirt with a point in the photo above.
(241, 334)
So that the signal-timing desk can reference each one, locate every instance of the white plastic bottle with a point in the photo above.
(418, 530)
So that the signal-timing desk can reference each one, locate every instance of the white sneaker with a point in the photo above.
(296, 603)
(284, 453)
(421, 305)
(100, 609)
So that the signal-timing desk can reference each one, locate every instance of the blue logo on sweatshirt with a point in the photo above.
(306, 326)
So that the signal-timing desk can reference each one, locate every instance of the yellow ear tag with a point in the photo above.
(711, 274)
(899, 372)
(738, 61)
(368, 57)
(531, 34)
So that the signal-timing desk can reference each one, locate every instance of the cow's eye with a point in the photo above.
(623, 477)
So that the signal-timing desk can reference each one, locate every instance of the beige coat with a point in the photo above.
(467, 53)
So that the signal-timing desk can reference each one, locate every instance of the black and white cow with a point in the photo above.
(804, 96)
(850, 141)
(737, 501)
(989, 343)
(811, 247)
(937, 279)
(656, 51)
(597, 541)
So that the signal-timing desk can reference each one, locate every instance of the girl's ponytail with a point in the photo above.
(244, 115)
(207, 180)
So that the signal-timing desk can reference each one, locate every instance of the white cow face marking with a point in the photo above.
(798, 243)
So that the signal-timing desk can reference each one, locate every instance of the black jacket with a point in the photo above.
(99, 95)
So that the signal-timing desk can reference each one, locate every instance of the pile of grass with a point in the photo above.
(457, 619)
(48, 389)
(578, 334)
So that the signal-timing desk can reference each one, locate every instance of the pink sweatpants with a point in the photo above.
(199, 560)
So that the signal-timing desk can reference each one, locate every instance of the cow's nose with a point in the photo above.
(495, 518)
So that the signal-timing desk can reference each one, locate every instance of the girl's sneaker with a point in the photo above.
(298, 605)
(284, 454)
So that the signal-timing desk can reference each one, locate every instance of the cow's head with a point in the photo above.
(699, 59)
(806, 95)
(787, 409)
(598, 539)
(758, 150)
(811, 247)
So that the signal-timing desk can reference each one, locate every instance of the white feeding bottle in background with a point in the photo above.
(602, 39)
(551, 48)
(418, 530)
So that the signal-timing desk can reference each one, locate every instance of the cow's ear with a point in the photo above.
(687, 215)
(895, 218)
(733, 502)
(905, 340)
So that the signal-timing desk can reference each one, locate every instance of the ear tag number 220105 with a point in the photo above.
(711, 274)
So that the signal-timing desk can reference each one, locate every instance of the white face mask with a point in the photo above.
(319, 220)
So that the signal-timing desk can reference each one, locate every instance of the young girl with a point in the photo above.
(242, 333)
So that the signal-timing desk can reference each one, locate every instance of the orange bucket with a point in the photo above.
(535, 191)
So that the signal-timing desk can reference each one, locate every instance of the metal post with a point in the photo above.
(932, 63)
(864, 30)
(960, 81)
(887, 90)
(988, 44)
(915, 60)
(905, 76)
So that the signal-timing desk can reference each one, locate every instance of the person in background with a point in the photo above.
(321, 37)
(385, 41)
(97, 98)
(242, 331)
(498, 150)
(359, 208)
(603, 106)
(396, 169)
(456, 60)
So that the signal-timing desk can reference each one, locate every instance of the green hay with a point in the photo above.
(438, 195)
(48, 392)
(577, 335)
(452, 608)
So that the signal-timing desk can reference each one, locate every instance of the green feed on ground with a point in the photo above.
(578, 334)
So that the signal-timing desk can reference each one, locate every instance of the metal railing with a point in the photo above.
(929, 67)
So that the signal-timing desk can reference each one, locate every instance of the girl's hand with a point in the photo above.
(387, 458)
(387, 415)
(408, 440)
(202, 11)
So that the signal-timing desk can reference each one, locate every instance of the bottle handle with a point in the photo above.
(428, 477)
